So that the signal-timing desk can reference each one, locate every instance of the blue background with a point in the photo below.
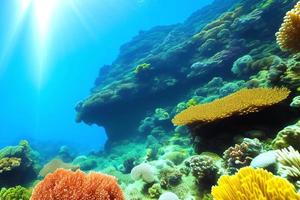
(80, 42)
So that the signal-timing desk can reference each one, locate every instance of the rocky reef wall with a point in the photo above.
(165, 65)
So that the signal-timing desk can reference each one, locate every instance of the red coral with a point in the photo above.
(68, 185)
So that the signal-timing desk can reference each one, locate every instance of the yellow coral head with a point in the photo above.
(243, 102)
(289, 32)
(254, 184)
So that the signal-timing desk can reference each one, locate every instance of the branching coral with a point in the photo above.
(66, 185)
(7, 164)
(253, 184)
(15, 193)
(243, 102)
(289, 159)
(241, 154)
(288, 34)
(204, 170)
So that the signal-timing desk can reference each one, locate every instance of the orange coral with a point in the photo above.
(288, 34)
(69, 185)
(242, 102)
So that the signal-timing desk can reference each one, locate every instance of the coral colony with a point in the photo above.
(205, 109)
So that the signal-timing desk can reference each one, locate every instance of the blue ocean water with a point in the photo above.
(49, 55)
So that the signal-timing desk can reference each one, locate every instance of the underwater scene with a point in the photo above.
(150, 100)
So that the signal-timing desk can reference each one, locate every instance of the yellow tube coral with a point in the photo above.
(254, 184)
(242, 102)
(288, 34)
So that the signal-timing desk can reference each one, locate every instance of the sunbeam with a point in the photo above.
(22, 8)
(42, 19)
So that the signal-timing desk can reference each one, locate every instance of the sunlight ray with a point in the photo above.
(75, 8)
(43, 12)
(8, 46)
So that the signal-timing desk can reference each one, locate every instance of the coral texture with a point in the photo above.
(66, 185)
(289, 136)
(241, 154)
(243, 102)
(7, 164)
(15, 193)
(168, 196)
(143, 171)
(253, 184)
(289, 159)
(19, 165)
(204, 170)
(55, 164)
(288, 34)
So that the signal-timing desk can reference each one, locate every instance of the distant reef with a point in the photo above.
(159, 68)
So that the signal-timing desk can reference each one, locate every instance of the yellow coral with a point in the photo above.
(7, 164)
(242, 102)
(288, 34)
(254, 184)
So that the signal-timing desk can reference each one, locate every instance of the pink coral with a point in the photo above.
(68, 185)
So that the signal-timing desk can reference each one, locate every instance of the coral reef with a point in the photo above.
(204, 170)
(242, 102)
(64, 184)
(8, 164)
(289, 160)
(15, 193)
(55, 164)
(143, 171)
(289, 136)
(242, 154)
(20, 165)
(288, 34)
(251, 184)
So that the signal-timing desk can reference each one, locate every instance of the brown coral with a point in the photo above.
(7, 164)
(69, 185)
(242, 102)
(288, 34)
(55, 164)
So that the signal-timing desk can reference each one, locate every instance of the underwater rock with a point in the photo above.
(170, 51)
(23, 165)
(264, 159)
